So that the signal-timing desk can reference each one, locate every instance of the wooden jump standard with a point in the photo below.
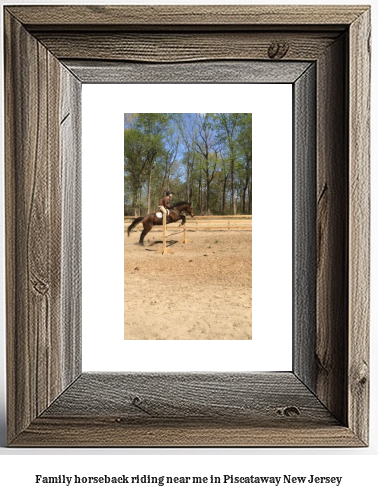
(164, 249)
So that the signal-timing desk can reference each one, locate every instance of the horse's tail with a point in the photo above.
(133, 224)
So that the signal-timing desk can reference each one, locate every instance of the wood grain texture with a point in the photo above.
(359, 226)
(332, 230)
(99, 432)
(173, 16)
(244, 397)
(70, 161)
(31, 236)
(180, 47)
(324, 401)
(193, 409)
(304, 227)
(33, 227)
(200, 72)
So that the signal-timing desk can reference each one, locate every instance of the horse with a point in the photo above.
(151, 220)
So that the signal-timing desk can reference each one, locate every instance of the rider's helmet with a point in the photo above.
(167, 193)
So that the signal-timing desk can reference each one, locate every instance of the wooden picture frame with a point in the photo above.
(49, 52)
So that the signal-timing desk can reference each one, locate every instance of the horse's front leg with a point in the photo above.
(183, 219)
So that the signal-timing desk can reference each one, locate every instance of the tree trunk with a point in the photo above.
(207, 195)
(188, 181)
(224, 195)
(244, 194)
(233, 202)
(135, 203)
(163, 184)
(149, 192)
(140, 201)
(250, 198)
(200, 194)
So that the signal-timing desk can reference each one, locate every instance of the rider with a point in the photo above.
(164, 204)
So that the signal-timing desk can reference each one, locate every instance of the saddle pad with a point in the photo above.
(160, 215)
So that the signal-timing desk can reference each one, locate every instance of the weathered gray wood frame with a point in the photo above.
(49, 52)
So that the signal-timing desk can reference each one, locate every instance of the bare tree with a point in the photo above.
(205, 143)
(228, 131)
(188, 132)
(168, 158)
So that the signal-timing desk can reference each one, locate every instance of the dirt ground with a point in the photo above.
(202, 291)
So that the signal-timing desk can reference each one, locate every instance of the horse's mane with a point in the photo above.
(181, 203)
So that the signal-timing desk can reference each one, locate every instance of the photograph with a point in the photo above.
(188, 226)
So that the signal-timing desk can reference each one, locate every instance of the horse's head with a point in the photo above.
(184, 206)
(190, 211)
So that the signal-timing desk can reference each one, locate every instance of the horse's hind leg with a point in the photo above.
(146, 229)
(143, 234)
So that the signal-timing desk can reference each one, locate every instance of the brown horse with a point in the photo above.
(151, 220)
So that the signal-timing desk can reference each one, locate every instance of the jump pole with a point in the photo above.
(165, 250)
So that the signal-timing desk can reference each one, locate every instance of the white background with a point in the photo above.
(17, 472)
(103, 279)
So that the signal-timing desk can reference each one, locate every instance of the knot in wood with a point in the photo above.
(362, 375)
(288, 411)
(140, 404)
(136, 400)
(41, 287)
(363, 381)
(277, 50)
